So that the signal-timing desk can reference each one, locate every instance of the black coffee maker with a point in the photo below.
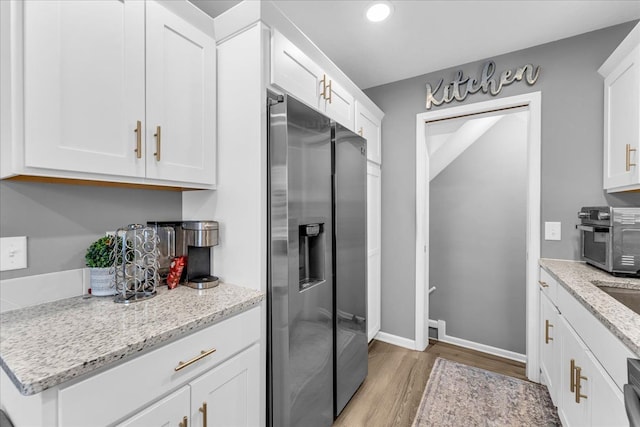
(194, 240)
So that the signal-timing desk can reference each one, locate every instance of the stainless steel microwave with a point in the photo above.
(610, 238)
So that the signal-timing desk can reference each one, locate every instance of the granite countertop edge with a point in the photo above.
(611, 324)
(31, 387)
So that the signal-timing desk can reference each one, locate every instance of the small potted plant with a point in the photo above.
(99, 259)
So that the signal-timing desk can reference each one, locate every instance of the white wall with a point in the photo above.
(572, 149)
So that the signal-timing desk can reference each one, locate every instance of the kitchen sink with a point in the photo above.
(628, 297)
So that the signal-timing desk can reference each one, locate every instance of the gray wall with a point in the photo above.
(478, 264)
(61, 221)
(572, 130)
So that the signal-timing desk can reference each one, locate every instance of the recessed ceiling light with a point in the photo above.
(379, 11)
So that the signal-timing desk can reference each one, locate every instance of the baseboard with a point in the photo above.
(396, 340)
(442, 336)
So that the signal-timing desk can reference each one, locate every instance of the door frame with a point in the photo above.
(533, 103)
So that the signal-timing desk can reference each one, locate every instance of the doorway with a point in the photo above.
(461, 127)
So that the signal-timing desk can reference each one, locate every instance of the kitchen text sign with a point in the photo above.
(462, 86)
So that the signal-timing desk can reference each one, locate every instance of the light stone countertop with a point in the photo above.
(577, 277)
(45, 345)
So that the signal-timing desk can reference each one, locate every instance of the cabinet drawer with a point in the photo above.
(549, 286)
(111, 395)
(606, 347)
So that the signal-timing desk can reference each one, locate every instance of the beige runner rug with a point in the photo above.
(461, 395)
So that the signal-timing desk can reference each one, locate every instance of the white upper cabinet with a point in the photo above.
(622, 115)
(84, 85)
(114, 90)
(369, 126)
(180, 125)
(296, 73)
(337, 103)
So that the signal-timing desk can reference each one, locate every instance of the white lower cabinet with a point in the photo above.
(227, 395)
(218, 366)
(550, 345)
(170, 411)
(579, 361)
(573, 409)
(588, 396)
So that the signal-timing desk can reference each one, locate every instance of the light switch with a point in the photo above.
(552, 231)
(13, 253)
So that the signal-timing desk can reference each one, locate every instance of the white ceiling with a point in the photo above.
(423, 36)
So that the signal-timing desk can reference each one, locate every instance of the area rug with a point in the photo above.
(461, 395)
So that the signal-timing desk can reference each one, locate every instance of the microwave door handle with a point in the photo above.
(593, 229)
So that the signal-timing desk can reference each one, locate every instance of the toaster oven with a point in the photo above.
(610, 239)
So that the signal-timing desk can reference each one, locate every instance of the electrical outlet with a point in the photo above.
(552, 231)
(13, 253)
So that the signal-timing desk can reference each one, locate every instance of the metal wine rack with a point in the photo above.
(136, 263)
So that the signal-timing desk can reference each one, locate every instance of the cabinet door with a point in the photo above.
(229, 394)
(368, 126)
(180, 99)
(338, 104)
(295, 72)
(573, 354)
(622, 123)
(170, 411)
(607, 400)
(373, 249)
(84, 85)
(549, 346)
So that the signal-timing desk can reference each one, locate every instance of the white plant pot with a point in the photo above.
(102, 282)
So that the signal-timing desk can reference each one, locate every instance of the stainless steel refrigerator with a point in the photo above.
(316, 303)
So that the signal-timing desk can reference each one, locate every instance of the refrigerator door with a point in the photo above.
(350, 192)
(300, 299)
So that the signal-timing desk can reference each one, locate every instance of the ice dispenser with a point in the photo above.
(311, 255)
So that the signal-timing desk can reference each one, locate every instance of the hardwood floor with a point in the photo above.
(391, 394)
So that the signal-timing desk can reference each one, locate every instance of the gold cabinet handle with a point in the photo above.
(330, 91)
(324, 86)
(628, 152)
(158, 136)
(543, 284)
(547, 325)
(579, 379)
(572, 382)
(361, 131)
(183, 423)
(202, 355)
(138, 131)
(203, 409)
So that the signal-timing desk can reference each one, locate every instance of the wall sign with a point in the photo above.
(462, 86)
